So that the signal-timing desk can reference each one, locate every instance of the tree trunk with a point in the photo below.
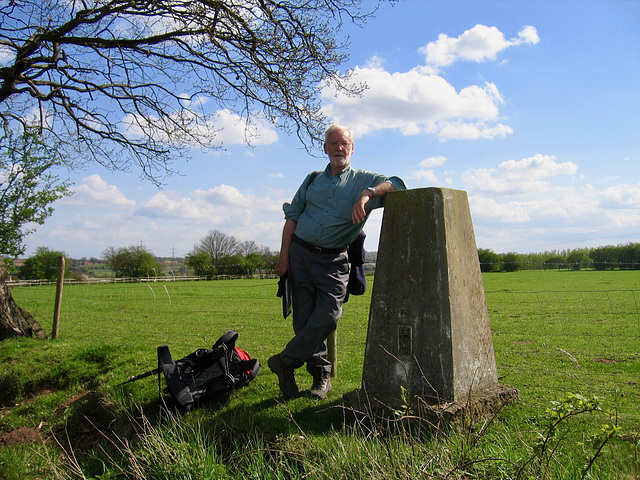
(14, 321)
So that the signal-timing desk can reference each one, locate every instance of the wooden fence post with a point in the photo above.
(332, 354)
(58, 304)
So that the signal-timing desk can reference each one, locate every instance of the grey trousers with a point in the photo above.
(318, 285)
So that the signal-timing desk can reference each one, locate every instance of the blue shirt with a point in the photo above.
(323, 209)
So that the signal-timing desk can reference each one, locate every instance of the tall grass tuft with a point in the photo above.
(192, 446)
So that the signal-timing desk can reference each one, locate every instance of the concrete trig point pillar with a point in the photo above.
(428, 328)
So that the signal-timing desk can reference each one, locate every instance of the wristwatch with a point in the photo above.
(372, 191)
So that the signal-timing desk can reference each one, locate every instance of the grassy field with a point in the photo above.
(569, 341)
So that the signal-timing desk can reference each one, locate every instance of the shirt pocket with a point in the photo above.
(343, 202)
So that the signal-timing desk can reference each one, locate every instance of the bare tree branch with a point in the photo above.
(128, 82)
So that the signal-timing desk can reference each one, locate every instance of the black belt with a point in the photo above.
(316, 249)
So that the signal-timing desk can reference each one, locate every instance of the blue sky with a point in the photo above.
(531, 107)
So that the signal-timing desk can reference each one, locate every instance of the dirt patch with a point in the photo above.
(21, 435)
(607, 361)
(88, 420)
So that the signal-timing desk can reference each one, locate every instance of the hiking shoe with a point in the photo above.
(286, 379)
(321, 385)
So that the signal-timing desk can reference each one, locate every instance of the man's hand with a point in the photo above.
(282, 266)
(358, 214)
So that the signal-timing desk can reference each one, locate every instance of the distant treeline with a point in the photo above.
(609, 257)
(137, 262)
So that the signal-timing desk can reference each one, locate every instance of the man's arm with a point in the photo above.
(282, 266)
(358, 214)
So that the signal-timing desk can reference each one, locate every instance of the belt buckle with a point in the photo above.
(317, 250)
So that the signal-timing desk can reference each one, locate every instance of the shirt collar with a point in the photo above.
(343, 171)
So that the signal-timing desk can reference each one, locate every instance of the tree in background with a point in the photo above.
(554, 262)
(248, 247)
(232, 265)
(578, 258)
(269, 259)
(510, 262)
(218, 245)
(489, 260)
(122, 82)
(133, 262)
(629, 256)
(201, 263)
(604, 258)
(220, 254)
(253, 262)
(27, 188)
(43, 265)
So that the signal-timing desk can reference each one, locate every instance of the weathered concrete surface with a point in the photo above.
(428, 336)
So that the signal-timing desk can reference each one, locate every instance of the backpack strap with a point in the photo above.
(176, 386)
(254, 367)
(312, 177)
(250, 368)
(228, 339)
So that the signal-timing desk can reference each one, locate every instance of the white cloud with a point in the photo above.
(428, 175)
(528, 35)
(233, 129)
(426, 172)
(556, 209)
(213, 206)
(433, 162)
(225, 195)
(422, 102)
(621, 196)
(417, 103)
(489, 208)
(530, 193)
(228, 196)
(94, 191)
(479, 44)
(518, 177)
(473, 131)
(168, 204)
(538, 166)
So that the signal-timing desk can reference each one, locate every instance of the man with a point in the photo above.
(325, 216)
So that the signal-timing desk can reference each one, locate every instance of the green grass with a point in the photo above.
(554, 332)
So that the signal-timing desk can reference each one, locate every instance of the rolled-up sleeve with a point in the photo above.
(291, 212)
(397, 183)
(379, 202)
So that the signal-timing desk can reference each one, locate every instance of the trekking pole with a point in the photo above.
(142, 375)
(332, 354)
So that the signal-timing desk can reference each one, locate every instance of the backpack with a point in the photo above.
(206, 374)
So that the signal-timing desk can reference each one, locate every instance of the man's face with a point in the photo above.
(339, 148)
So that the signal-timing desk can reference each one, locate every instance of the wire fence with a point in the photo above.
(512, 266)
(581, 341)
